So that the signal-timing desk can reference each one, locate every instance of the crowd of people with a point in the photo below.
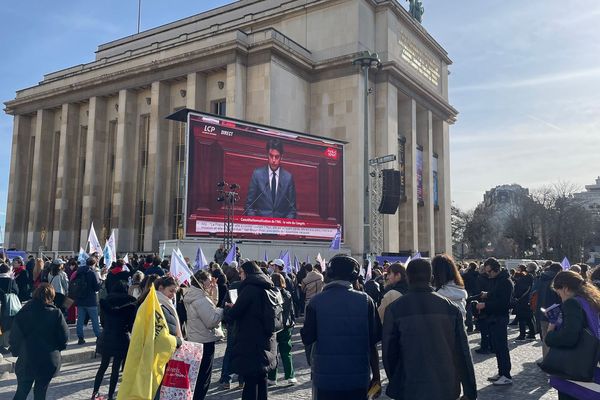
(420, 314)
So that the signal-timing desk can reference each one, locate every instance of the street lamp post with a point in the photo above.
(367, 61)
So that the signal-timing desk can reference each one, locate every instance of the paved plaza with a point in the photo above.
(75, 380)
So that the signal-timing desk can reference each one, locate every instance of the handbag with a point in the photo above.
(13, 304)
(574, 363)
(182, 371)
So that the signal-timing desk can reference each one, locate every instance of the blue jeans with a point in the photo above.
(82, 311)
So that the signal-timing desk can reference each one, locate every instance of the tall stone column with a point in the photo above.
(386, 138)
(41, 180)
(426, 223)
(443, 215)
(123, 198)
(15, 234)
(235, 87)
(196, 91)
(62, 237)
(159, 163)
(407, 212)
(95, 168)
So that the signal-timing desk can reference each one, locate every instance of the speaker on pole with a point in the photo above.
(390, 196)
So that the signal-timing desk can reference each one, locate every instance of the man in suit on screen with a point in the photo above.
(271, 192)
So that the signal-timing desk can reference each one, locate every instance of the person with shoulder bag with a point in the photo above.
(9, 306)
(574, 345)
(284, 337)
(39, 334)
(60, 282)
(203, 326)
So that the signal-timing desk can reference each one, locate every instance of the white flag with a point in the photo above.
(126, 258)
(369, 273)
(112, 244)
(93, 241)
(179, 268)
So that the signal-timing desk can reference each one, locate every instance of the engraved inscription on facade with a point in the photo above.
(423, 63)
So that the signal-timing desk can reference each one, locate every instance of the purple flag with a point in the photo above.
(296, 264)
(286, 262)
(266, 259)
(337, 240)
(565, 264)
(231, 255)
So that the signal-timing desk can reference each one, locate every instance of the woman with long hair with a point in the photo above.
(580, 309)
(37, 272)
(448, 282)
(166, 288)
(203, 325)
(39, 334)
(396, 285)
(119, 311)
(59, 281)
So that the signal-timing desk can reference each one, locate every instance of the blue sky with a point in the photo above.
(525, 78)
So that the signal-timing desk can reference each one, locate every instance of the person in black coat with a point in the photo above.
(118, 273)
(425, 348)
(253, 352)
(21, 276)
(119, 311)
(496, 303)
(7, 285)
(524, 315)
(39, 334)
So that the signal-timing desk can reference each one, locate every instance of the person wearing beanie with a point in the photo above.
(343, 328)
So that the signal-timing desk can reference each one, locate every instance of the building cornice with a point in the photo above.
(415, 26)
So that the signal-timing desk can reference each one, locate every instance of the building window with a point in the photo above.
(144, 136)
(179, 179)
(218, 107)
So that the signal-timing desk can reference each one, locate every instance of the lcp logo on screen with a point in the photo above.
(331, 153)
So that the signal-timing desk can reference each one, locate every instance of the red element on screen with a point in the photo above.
(331, 153)
(228, 124)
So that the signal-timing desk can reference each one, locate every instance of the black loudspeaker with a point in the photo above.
(390, 194)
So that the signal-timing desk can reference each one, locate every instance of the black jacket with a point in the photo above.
(171, 320)
(89, 298)
(425, 349)
(7, 285)
(38, 335)
(289, 318)
(546, 296)
(374, 290)
(252, 351)
(470, 280)
(119, 311)
(497, 302)
(115, 274)
(522, 292)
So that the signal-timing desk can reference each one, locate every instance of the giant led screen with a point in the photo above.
(289, 185)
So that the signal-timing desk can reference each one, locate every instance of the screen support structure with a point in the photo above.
(367, 61)
(376, 217)
(228, 193)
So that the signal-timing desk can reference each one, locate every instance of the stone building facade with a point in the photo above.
(90, 143)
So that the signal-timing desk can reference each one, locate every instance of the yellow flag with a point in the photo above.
(149, 351)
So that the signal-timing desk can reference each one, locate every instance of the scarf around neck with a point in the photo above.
(168, 303)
